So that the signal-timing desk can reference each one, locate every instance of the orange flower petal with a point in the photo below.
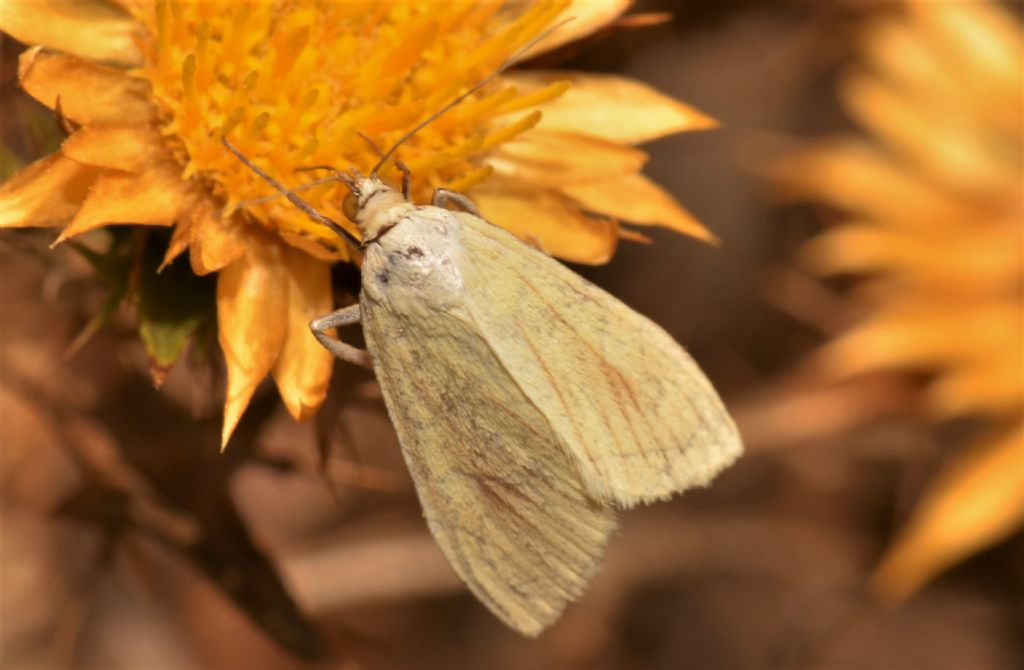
(317, 250)
(88, 93)
(542, 157)
(893, 47)
(549, 221)
(856, 177)
(637, 199)
(215, 241)
(891, 338)
(909, 58)
(945, 145)
(613, 108)
(992, 384)
(979, 43)
(586, 17)
(86, 28)
(304, 368)
(156, 197)
(977, 500)
(48, 192)
(179, 241)
(252, 309)
(976, 259)
(129, 148)
(136, 8)
(633, 235)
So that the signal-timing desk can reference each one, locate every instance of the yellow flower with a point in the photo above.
(936, 223)
(152, 85)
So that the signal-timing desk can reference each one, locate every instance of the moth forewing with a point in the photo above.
(500, 494)
(633, 410)
(528, 403)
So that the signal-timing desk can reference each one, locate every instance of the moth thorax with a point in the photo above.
(380, 206)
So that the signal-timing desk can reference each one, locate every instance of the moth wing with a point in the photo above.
(502, 498)
(632, 408)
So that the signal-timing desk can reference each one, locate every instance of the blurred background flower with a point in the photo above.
(934, 222)
(147, 89)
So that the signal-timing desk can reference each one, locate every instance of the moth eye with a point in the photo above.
(350, 207)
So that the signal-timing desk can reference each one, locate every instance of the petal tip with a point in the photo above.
(691, 118)
(228, 429)
(61, 239)
(705, 235)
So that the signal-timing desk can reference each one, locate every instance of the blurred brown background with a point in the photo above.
(766, 569)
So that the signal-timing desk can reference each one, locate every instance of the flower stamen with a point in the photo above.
(378, 69)
(535, 98)
(510, 131)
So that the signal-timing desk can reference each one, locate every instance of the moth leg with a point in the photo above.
(406, 178)
(346, 316)
(442, 196)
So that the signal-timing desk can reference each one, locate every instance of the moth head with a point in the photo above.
(365, 196)
(360, 188)
(350, 205)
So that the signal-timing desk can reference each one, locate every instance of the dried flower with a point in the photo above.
(152, 86)
(935, 222)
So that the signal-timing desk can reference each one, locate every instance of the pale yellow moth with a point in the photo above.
(529, 403)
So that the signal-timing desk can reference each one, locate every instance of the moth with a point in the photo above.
(530, 404)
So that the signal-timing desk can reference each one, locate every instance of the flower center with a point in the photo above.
(293, 85)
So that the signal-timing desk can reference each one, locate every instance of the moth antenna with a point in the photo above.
(406, 172)
(473, 89)
(294, 198)
(310, 168)
(334, 176)
(373, 145)
(301, 187)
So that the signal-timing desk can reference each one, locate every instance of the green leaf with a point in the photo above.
(173, 305)
(10, 162)
(113, 267)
